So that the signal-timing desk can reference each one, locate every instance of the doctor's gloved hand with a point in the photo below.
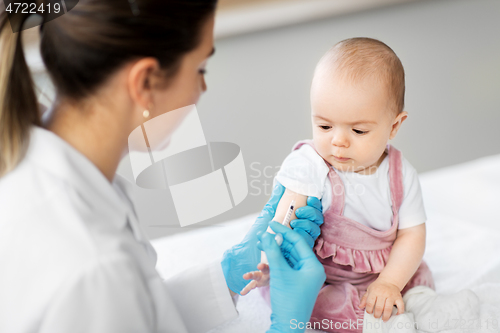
(293, 290)
(309, 219)
(245, 256)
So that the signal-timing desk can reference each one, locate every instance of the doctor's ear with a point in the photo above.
(144, 76)
(396, 124)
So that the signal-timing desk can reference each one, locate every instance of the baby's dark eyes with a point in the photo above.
(202, 71)
(326, 128)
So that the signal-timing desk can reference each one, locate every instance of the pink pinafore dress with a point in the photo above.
(354, 254)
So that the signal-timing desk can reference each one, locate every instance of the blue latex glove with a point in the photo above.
(309, 231)
(293, 290)
(313, 212)
(245, 256)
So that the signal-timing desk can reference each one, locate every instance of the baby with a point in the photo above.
(373, 237)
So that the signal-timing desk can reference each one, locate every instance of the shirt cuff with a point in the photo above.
(202, 297)
(227, 304)
(412, 221)
(310, 190)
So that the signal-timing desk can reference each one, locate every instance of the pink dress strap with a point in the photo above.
(338, 197)
(396, 177)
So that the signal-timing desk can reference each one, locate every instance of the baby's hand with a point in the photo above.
(382, 295)
(259, 278)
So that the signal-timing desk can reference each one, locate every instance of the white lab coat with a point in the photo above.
(73, 257)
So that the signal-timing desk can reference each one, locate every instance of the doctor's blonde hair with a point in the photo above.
(82, 48)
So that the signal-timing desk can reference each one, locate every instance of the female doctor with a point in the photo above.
(72, 255)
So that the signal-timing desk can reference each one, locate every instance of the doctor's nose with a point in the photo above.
(339, 139)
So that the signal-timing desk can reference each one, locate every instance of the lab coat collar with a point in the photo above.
(59, 158)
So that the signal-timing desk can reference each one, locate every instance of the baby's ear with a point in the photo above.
(397, 123)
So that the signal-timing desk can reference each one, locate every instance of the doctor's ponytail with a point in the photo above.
(18, 102)
(82, 48)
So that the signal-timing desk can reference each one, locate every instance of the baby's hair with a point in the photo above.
(357, 58)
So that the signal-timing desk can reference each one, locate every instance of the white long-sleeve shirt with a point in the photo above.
(73, 257)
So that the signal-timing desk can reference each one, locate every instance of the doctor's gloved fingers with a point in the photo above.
(292, 240)
(309, 240)
(273, 252)
(307, 226)
(313, 211)
(296, 246)
(291, 255)
(272, 203)
(285, 247)
(292, 262)
(285, 250)
(315, 202)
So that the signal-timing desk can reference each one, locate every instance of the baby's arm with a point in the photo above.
(406, 256)
(404, 260)
(284, 204)
(261, 277)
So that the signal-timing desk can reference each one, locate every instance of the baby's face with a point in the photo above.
(352, 122)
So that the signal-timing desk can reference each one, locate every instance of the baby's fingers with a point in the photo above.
(263, 267)
(370, 303)
(401, 306)
(362, 304)
(248, 287)
(389, 305)
(256, 275)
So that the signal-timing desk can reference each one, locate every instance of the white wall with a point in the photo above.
(258, 85)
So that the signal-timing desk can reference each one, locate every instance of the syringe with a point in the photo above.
(288, 216)
(286, 223)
